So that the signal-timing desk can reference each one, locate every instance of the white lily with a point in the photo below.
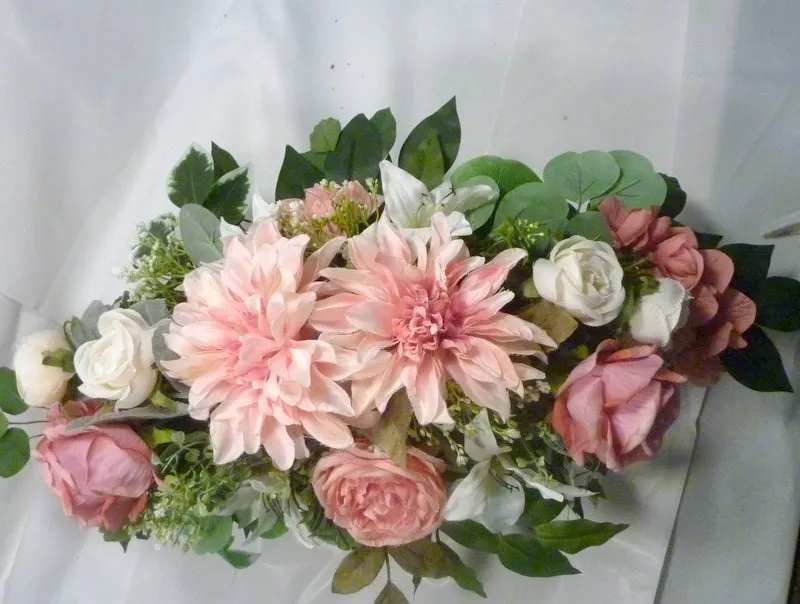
(411, 205)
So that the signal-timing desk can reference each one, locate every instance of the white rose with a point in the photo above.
(583, 277)
(659, 314)
(40, 385)
(118, 366)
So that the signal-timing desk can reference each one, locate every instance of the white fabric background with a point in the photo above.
(99, 98)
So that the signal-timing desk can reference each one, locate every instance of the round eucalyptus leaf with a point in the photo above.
(582, 176)
(590, 225)
(534, 202)
(640, 186)
(507, 173)
(15, 451)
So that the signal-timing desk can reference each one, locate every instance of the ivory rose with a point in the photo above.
(378, 502)
(616, 404)
(40, 385)
(658, 314)
(101, 474)
(638, 229)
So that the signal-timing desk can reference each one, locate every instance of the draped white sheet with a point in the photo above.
(99, 99)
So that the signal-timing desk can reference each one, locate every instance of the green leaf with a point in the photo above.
(590, 225)
(318, 159)
(384, 122)
(427, 162)
(539, 510)
(778, 304)
(391, 431)
(446, 128)
(200, 234)
(463, 575)
(415, 581)
(582, 176)
(152, 311)
(144, 412)
(215, 534)
(572, 536)
(358, 569)
(191, 180)
(556, 321)
(707, 240)
(357, 154)
(61, 358)
(507, 173)
(3, 423)
(15, 451)
(757, 366)
(279, 529)
(223, 161)
(10, 400)
(751, 266)
(229, 196)
(121, 537)
(639, 185)
(472, 534)
(533, 201)
(480, 216)
(238, 558)
(391, 594)
(296, 175)
(324, 135)
(80, 331)
(526, 556)
(423, 559)
(675, 199)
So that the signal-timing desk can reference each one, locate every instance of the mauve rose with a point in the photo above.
(638, 229)
(378, 502)
(617, 404)
(101, 474)
(735, 315)
(717, 275)
(678, 258)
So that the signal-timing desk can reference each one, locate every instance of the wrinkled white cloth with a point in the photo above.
(99, 99)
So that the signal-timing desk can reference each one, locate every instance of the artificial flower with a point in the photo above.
(119, 365)
(40, 385)
(378, 502)
(583, 277)
(414, 315)
(736, 313)
(659, 314)
(639, 229)
(253, 365)
(677, 257)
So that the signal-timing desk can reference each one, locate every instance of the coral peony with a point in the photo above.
(639, 229)
(101, 474)
(616, 404)
(414, 315)
(246, 351)
(378, 502)
(678, 257)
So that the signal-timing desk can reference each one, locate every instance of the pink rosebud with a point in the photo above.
(639, 229)
(101, 474)
(617, 404)
(318, 202)
(378, 502)
(678, 258)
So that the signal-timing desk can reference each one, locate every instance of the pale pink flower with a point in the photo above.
(248, 354)
(318, 202)
(414, 315)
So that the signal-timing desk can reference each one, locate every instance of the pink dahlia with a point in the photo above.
(414, 315)
(245, 349)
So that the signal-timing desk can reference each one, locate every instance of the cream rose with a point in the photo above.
(584, 277)
(118, 366)
(40, 385)
(659, 314)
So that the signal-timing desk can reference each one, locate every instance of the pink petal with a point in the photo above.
(717, 269)
(491, 275)
(624, 379)
(372, 317)
(329, 315)
(427, 393)
(485, 394)
(632, 422)
(739, 309)
(327, 429)
(277, 443)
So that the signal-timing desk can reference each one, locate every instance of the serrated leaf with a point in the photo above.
(751, 266)
(223, 161)
(200, 234)
(423, 559)
(534, 202)
(446, 127)
(191, 179)
(556, 321)
(238, 558)
(229, 196)
(572, 536)
(526, 556)
(10, 400)
(141, 413)
(472, 534)
(639, 185)
(590, 225)
(15, 451)
(152, 311)
(325, 134)
(757, 366)
(463, 575)
(582, 176)
(358, 569)
(675, 198)
(391, 431)
(391, 594)
(778, 304)
(215, 534)
(507, 173)
(296, 175)
(357, 154)
(384, 122)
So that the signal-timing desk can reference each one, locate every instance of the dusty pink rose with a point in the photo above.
(717, 275)
(735, 315)
(318, 202)
(678, 258)
(245, 349)
(101, 474)
(378, 502)
(617, 404)
(639, 229)
(354, 191)
(688, 359)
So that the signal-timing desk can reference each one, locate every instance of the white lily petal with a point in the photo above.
(469, 198)
(504, 506)
(458, 224)
(549, 488)
(469, 497)
(403, 195)
(263, 210)
(226, 229)
(479, 441)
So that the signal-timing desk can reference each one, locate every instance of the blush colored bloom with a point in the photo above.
(101, 473)
(414, 315)
(318, 202)
(616, 404)
(639, 229)
(678, 258)
(735, 315)
(378, 502)
(247, 354)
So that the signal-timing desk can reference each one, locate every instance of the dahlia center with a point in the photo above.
(426, 320)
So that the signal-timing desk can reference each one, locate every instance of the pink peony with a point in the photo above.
(247, 353)
(639, 229)
(678, 258)
(378, 502)
(101, 474)
(616, 404)
(414, 315)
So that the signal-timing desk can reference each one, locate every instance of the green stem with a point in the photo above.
(388, 565)
(38, 421)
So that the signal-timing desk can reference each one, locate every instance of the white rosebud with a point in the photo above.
(40, 385)
(118, 366)
(584, 277)
(659, 314)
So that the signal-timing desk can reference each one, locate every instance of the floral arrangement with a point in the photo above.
(389, 361)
